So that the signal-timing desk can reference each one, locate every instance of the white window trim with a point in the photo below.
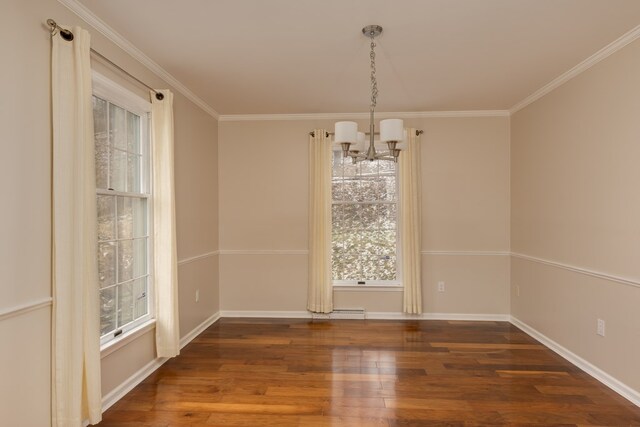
(106, 88)
(114, 93)
(120, 341)
(378, 285)
(370, 287)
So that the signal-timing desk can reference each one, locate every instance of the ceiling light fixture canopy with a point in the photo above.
(351, 141)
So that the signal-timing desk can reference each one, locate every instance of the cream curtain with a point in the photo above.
(320, 293)
(409, 172)
(76, 394)
(164, 227)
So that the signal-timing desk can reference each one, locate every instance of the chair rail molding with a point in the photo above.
(198, 257)
(17, 310)
(598, 274)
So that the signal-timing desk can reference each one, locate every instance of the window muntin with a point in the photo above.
(364, 222)
(123, 207)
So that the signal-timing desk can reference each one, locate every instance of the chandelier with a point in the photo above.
(351, 141)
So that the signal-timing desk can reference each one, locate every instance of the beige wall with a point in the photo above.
(576, 201)
(263, 216)
(571, 197)
(25, 225)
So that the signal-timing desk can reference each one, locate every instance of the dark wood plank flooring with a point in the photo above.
(284, 372)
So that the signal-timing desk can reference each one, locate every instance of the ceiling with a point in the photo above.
(309, 56)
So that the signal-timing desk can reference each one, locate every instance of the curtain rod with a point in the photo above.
(312, 133)
(68, 36)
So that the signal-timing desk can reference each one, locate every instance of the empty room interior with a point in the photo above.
(320, 213)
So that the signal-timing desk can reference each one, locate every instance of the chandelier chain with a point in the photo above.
(374, 81)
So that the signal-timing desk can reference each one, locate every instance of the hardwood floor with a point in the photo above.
(273, 372)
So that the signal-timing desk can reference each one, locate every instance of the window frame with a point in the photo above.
(112, 92)
(389, 285)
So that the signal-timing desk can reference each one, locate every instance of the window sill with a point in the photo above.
(126, 338)
(367, 288)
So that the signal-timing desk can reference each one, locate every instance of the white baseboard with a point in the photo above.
(384, 315)
(479, 317)
(374, 315)
(268, 314)
(597, 373)
(118, 393)
(199, 329)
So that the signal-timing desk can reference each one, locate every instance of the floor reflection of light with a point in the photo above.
(358, 372)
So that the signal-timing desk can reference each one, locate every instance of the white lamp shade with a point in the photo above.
(380, 146)
(346, 132)
(402, 145)
(391, 130)
(361, 142)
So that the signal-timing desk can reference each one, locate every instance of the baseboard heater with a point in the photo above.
(341, 313)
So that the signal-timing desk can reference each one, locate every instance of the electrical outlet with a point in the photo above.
(440, 286)
(600, 327)
(197, 295)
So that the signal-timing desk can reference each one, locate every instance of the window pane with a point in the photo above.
(117, 127)
(140, 293)
(139, 257)
(107, 310)
(387, 167)
(133, 133)
(125, 303)
(102, 165)
(363, 217)
(118, 170)
(368, 168)
(365, 242)
(364, 267)
(125, 260)
(132, 217)
(106, 264)
(364, 189)
(132, 260)
(133, 173)
(343, 167)
(106, 218)
(125, 218)
(139, 217)
(101, 142)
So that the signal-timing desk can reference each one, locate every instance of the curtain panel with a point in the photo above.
(320, 292)
(410, 234)
(164, 227)
(76, 394)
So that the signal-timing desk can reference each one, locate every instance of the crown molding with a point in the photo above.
(103, 28)
(362, 116)
(603, 53)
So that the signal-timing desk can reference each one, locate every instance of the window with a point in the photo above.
(123, 205)
(365, 224)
